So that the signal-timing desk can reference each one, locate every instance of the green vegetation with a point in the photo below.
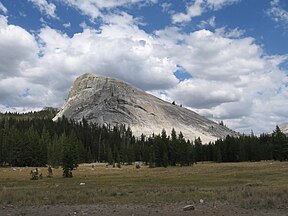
(33, 139)
(250, 185)
(180, 172)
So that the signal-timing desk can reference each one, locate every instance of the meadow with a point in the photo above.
(246, 184)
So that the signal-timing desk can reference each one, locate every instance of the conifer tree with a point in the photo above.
(198, 150)
(109, 156)
(173, 149)
(280, 142)
(69, 158)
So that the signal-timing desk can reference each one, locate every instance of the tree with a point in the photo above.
(69, 158)
(44, 142)
(164, 148)
(50, 172)
(185, 151)
(280, 145)
(152, 158)
(172, 148)
(198, 150)
(110, 156)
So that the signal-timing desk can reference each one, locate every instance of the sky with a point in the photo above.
(225, 59)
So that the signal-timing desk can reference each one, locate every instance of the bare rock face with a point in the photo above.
(109, 101)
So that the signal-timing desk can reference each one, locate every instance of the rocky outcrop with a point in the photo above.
(113, 102)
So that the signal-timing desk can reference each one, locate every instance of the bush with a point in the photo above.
(35, 174)
(50, 172)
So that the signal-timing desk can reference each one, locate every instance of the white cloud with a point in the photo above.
(198, 7)
(230, 33)
(18, 48)
(119, 50)
(219, 4)
(67, 25)
(19, 51)
(24, 93)
(3, 8)
(207, 55)
(201, 93)
(278, 13)
(232, 79)
(208, 23)
(166, 7)
(49, 9)
(194, 10)
(95, 8)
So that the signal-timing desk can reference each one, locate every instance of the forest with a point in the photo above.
(33, 139)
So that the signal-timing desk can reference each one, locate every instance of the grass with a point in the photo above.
(250, 185)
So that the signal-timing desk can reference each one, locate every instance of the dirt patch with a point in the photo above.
(207, 209)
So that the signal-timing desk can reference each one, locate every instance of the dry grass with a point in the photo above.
(251, 185)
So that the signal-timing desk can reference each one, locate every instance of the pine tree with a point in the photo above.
(152, 158)
(173, 148)
(280, 145)
(184, 150)
(198, 150)
(69, 158)
(109, 156)
(44, 142)
(164, 148)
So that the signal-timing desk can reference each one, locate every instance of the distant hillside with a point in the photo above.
(45, 113)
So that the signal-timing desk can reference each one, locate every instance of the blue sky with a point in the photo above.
(225, 59)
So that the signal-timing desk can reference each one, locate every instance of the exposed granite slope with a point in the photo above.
(106, 101)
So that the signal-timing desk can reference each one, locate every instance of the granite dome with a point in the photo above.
(110, 101)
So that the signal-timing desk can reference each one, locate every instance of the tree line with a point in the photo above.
(33, 139)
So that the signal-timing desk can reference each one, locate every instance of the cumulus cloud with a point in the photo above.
(231, 77)
(24, 94)
(18, 48)
(49, 9)
(207, 55)
(45, 71)
(198, 93)
(114, 50)
(198, 7)
(3, 8)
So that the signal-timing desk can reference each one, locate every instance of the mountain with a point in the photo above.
(113, 102)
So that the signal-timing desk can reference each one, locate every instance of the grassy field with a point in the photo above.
(250, 185)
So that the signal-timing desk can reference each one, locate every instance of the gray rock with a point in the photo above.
(188, 208)
(113, 102)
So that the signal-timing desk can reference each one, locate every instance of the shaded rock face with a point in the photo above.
(109, 101)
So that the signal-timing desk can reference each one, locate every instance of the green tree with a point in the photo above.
(198, 150)
(173, 148)
(109, 156)
(280, 145)
(69, 158)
